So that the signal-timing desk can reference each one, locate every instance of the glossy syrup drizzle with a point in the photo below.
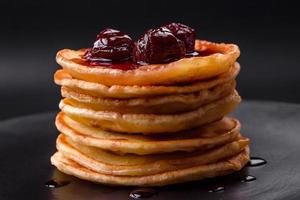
(56, 184)
(217, 189)
(248, 178)
(142, 193)
(256, 161)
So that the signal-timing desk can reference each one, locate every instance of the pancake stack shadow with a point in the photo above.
(149, 135)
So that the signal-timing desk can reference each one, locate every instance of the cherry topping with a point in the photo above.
(185, 34)
(111, 46)
(158, 46)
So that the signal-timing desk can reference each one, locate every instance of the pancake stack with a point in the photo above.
(151, 126)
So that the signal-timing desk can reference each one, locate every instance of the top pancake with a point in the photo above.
(221, 57)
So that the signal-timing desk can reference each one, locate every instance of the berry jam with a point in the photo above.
(158, 46)
(129, 64)
(125, 65)
(111, 46)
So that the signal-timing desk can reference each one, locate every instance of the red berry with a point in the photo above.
(158, 46)
(185, 34)
(111, 45)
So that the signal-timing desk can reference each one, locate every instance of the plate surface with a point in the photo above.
(27, 143)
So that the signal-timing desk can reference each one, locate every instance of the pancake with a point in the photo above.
(221, 57)
(64, 79)
(219, 168)
(106, 162)
(170, 104)
(205, 137)
(151, 123)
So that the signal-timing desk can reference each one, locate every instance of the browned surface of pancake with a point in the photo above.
(205, 137)
(220, 168)
(107, 162)
(170, 104)
(151, 123)
(63, 78)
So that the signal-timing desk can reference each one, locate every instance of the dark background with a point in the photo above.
(32, 31)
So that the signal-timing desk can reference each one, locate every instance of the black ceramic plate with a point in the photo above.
(26, 144)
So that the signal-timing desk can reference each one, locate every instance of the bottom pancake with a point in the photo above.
(107, 162)
(223, 167)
